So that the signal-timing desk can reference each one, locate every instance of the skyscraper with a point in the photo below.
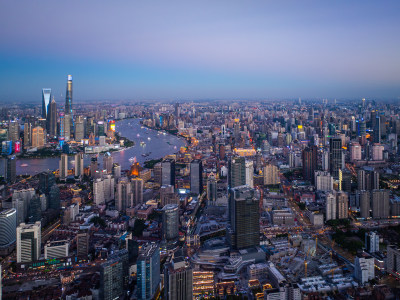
(178, 276)
(330, 207)
(365, 204)
(342, 200)
(380, 203)
(10, 170)
(63, 166)
(54, 197)
(212, 189)
(28, 242)
(67, 126)
(148, 271)
(13, 131)
(124, 197)
(168, 172)
(137, 190)
(372, 241)
(170, 222)
(79, 164)
(244, 217)
(393, 260)
(52, 118)
(336, 161)
(68, 96)
(196, 176)
(271, 175)
(237, 172)
(113, 276)
(79, 130)
(46, 96)
(309, 156)
(38, 137)
(107, 162)
(8, 225)
(249, 173)
(27, 135)
(82, 243)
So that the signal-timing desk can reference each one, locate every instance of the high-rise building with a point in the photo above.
(380, 203)
(355, 152)
(372, 242)
(309, 156)
(27, 135)
(124, 197)
(38, 137)
(170, 222)
(364, 268)
(46, 97)
(212, 189)
(367, 180)
(244, 217)
(68, 96)
(63, 166)
(116, 171)
(137, 190)
(82, 243)
(113, 276)
(365, 204)
(52, 118)
(237, 172)
(157, 171)
(67, 126)
(393, 260)
(249, 173)
(330, 206)
(10, 169)
(148, 271)
(98, 191)
(54, 197)
(13, 131)
(46, 181)
(271, 175)
(35, 209)
(325, 160)
(196, 176)
(28, 242)
(8, 225)
(178, 276)
(342, 200)
(108, 162)
(168, 172)
(79, 130)
(79, 165)
(323, 181)
(20, 201)
(377, 152)
(376, 127)
(336, 161)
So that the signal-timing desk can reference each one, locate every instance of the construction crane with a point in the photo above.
(335, 268)
(305, 262)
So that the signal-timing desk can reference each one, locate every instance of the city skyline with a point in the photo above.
(182, 51)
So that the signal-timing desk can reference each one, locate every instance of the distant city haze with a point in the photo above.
(172, 50)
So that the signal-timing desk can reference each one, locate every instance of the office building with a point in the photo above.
(8, 226)
(28, 242)
(168, 172)
(38, 137)
(196, 176)
(309, 157)
(330, 206)
(79, 165)
(178, 276)
(244, 217)
(377, 152)
(364, 268)
(56, 249)
(323, 181)
(63, 167)
(46, 96)
(52, 118)
(35, 209)
(325, 160)
(336, 160)
(380, 204)
(54, 197)
(342, 200)
(82, 244)
(113, 276)
(393, 260)
(46, 181)
(137, 191)
(116, 171)
(372, 242)
(212, 189)
(367, 180)
(124, 197)
(271, 175)
(79, 130)
(237, 172)
(148, 271)
(20, 201)
(170, 223)
(98, 191)
(67, 127)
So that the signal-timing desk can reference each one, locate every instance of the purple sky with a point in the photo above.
(200, 49)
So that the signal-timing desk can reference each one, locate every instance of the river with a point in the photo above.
(156, 144)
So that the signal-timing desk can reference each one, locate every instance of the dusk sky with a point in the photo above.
(171, 50)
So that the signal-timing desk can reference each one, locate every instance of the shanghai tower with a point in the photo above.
(68, 97)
